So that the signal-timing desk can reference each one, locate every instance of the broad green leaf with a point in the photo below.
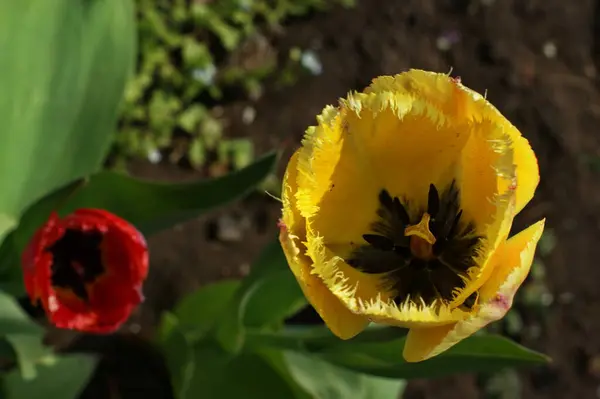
(30, 350)
(315, 338)
(230, 328)
(13, 320)
(204, 369)
(247, 375)
(198, 311)
(63, 76)
(7, 223)
(23, 334)
(378, 351)
(326, 381)
(61, 377)
(481, 353)
(150, 206)
(179, 354)
(278, 295)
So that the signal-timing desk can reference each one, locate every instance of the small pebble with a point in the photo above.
(549, 49)
(135, 328)
(248, 115)
(205, 75)
(154, 156)
(244, 269)
(229, 229)
(447, 40)
(310, 60)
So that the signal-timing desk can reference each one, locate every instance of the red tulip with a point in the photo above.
(86, 269)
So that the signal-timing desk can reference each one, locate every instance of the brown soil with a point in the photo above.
(498, 48)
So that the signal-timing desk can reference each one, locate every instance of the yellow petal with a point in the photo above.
(512, 262)
(338, 318)
(524, 159)
(443, 93)
(291, 217)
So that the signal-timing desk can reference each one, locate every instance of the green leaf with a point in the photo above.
(315, 338)
(278, 294)
(230, 329)
(61, 89)
(13, 320)
(326, 381)
(23, 334)
(484, 353)
(150, 206)
(248, 375)
(179, 354)
(204, 369)
(61, 377)
(198, 311)
(276, 298)
(29, 349)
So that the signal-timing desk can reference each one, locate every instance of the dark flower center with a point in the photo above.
(77, 260)
(424, 258)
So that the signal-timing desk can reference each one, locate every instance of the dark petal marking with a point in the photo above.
(471, 300)
(445, 279)
(386, 199)
(433, 201)
(371, 260)
(387, 252)
(379, 242)
(400, 211)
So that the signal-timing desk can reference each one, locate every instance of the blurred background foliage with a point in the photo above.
(193, 57)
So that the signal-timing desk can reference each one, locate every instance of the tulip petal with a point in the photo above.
(512, 262)
(364, 294)
(330, 173)
(339, 319)
(443, 92)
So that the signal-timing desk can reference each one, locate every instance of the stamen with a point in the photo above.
(433, 201)
(421, 230)
(379, 242)
(427, 261)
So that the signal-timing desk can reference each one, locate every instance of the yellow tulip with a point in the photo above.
(397, 210)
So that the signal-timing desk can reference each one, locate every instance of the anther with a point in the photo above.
(433, 201)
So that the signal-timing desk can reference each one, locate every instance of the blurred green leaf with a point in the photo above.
(191, 117)
(23, 335)
(315, 338)
(150, 206)
(13, 320)
(29, 350)
(197, 152)
(481, 353)
(378, 351)
(178, 352)
(61, 88)
(198, 311)
(204, 369)
(61, 377)
(248, 375)
(326, 381)
(230, 328)
(278, 297)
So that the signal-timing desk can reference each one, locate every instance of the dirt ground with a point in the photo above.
(538, 61)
